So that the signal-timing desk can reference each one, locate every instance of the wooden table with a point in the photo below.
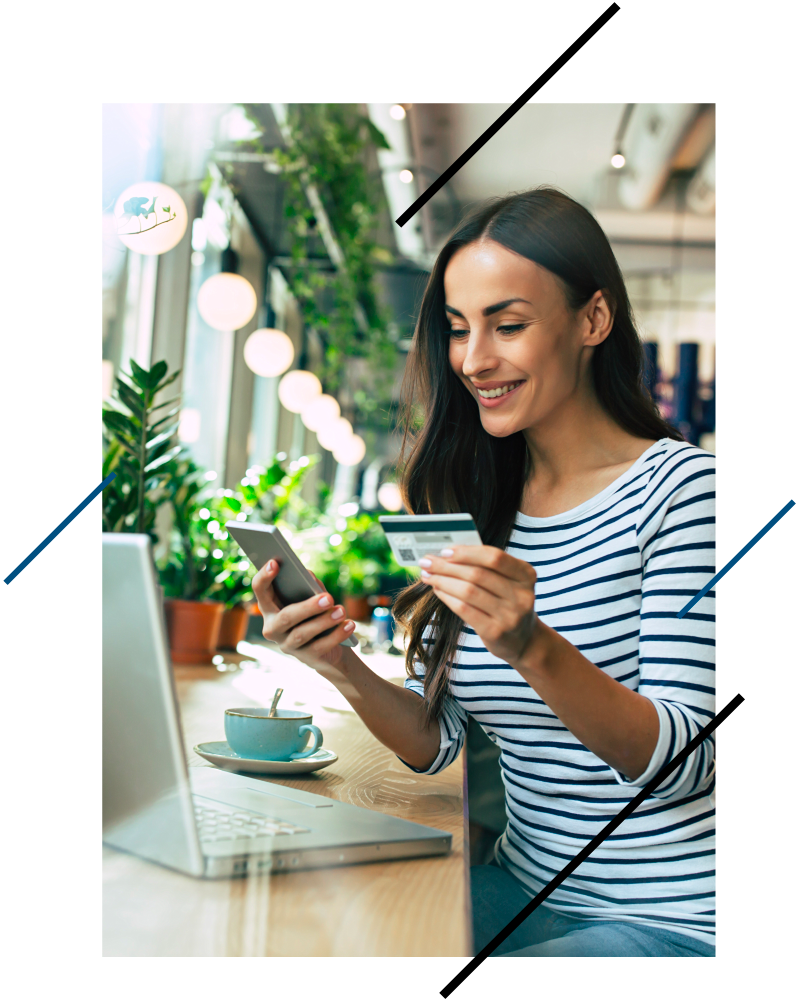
(417, 907)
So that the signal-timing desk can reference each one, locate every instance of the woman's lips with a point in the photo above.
(498, 400)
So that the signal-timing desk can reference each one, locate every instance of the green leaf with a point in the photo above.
(140, 375)
(167, 381)
(111, 458)
(378, 138)
(132, 399)
(131, 447)
(157, 452)
(162, 460)
(120, 423)
(163, 438)
(172, 413)
(156, 373)
(118, 407)
(168, 402)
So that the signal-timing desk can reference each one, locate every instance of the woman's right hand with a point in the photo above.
(296, 628)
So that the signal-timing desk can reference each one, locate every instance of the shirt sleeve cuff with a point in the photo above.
(445, 744)
(659, 756)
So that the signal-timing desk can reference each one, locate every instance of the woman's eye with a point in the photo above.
(515, 328)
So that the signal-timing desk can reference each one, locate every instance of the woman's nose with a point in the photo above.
(479, 356)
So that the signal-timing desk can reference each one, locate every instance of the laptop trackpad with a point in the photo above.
(261, 801)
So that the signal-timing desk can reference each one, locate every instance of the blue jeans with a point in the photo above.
(497, 897)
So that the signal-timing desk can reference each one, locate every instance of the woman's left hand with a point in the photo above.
(490, 591)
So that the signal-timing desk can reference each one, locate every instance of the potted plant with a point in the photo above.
(190, 574)
(205, 576)
(139, 441)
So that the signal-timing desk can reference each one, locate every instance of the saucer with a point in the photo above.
(222, 756)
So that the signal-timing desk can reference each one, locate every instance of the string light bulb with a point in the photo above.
(389, 496)
(297, 388)
(320, 411)
(268, 352)
(335, 434)
(226, 301)
(351, 451)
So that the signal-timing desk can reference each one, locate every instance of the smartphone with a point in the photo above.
(262, 542)
(411, 536)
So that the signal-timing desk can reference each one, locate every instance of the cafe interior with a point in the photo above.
(259, 302)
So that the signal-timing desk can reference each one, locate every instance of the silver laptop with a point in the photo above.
(200, 820)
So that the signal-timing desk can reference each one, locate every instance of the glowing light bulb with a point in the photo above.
(389, 496)
(398, 112)
(268, 352)
(351, 452)
(227, 301)
(320, 411)
(151, 217)
(296, 390)
(406, 176)
(618, 161)
(335, 433)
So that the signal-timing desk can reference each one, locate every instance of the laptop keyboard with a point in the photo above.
(218, 824)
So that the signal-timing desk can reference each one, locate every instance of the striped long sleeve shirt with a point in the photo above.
(611, 576)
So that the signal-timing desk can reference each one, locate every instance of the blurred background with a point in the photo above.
(246, 244)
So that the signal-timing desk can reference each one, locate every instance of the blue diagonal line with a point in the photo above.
(64, 523)
(735, 559)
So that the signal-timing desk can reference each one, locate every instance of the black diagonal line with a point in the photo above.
(579, 858)
(454, 167)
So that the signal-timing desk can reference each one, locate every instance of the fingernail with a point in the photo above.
(325, 601)
(425, 562)
(349, 626)
(338, 613)
(424, 575)
(446, 552)
(271, 565)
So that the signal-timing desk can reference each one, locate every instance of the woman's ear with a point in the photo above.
(599, 319)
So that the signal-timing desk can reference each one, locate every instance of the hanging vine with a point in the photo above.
(327, 147)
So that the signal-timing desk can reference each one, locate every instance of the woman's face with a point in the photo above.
(514, 342)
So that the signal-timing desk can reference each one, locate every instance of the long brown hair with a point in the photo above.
(452, 465)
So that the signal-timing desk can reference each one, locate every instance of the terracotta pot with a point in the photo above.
(193, 628)
(233, 628)
(357, 608)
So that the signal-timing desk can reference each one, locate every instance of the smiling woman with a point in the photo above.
(559, 636)
(526, 290)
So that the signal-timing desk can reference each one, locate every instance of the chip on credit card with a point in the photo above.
(413, 536)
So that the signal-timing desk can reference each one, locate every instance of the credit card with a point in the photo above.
(412, 536)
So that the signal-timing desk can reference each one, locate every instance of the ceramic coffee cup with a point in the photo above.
(251, 733)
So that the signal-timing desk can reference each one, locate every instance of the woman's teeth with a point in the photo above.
(491, 393)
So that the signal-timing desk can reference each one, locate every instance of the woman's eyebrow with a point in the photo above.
(489, 310)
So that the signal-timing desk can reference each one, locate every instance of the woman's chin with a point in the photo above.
(500, 428)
